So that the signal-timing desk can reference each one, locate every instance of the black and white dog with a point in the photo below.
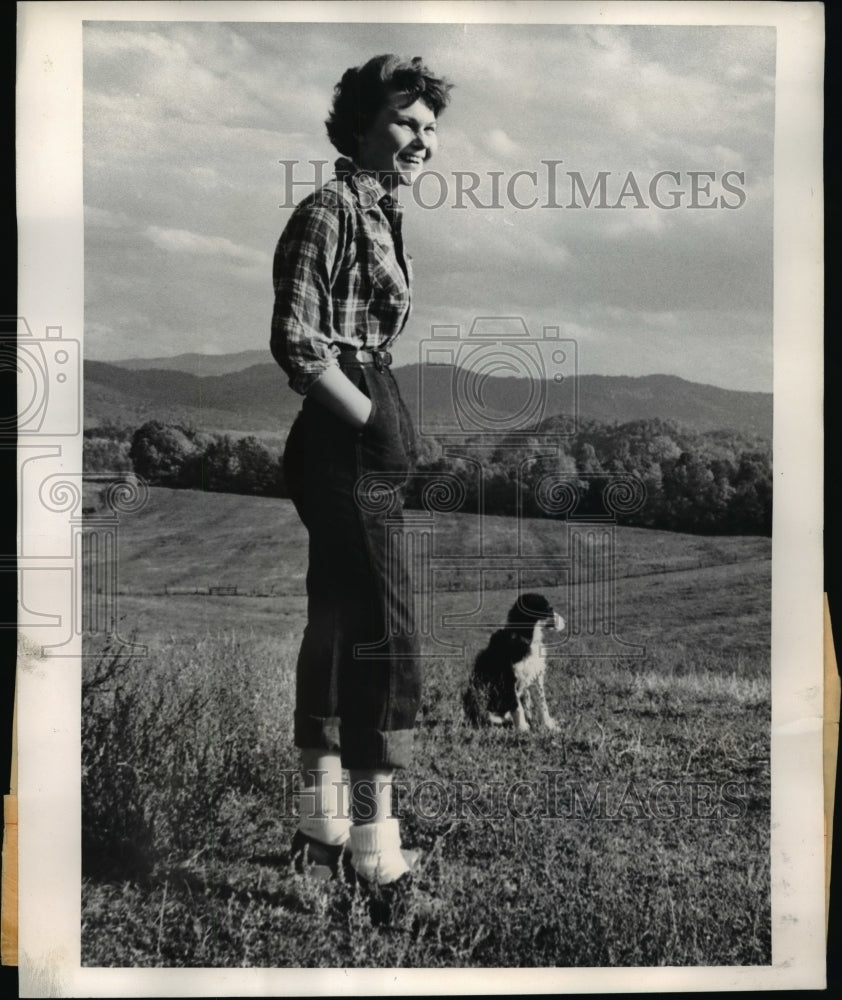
(513, 663)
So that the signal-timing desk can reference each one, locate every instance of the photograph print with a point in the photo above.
(426, 507)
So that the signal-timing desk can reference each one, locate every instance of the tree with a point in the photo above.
(750, 508)
(257, 470)
(104, 454)
(220, 465)
(165, 455)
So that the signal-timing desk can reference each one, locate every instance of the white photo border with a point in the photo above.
(48, 690)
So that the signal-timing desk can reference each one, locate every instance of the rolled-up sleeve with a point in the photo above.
(306, 264)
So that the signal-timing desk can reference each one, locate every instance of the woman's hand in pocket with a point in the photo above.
(337, 393)
(381, 444)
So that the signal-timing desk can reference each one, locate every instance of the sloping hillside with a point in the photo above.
(253, 400)
(188, 538)
(605, 398)
(257, 399)
(199, 364)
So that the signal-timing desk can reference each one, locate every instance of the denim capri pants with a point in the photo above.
(361, 702)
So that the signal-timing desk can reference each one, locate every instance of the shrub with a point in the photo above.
(166, 741)
(117, 832)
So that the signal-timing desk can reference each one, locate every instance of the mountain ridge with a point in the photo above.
(196, 363)
(442, 399)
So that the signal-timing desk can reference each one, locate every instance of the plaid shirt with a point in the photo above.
(341, 276)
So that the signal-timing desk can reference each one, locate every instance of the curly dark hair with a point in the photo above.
(364, 90)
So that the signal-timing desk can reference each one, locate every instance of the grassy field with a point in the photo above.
(638, 834)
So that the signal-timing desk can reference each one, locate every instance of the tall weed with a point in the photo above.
(166, 739)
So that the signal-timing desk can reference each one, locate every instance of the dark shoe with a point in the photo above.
(387, 904)
(316, 858)
(401, 902)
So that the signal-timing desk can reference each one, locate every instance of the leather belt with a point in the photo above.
(366, 356)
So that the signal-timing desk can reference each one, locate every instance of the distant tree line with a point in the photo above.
(716, 482)
(182, 458)
(106, 448)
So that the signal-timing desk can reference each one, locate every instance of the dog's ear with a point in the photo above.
(515, 615)
(529, 608)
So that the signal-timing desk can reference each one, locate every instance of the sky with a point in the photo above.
(185, 125)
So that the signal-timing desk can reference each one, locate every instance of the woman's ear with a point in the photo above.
(359, 132)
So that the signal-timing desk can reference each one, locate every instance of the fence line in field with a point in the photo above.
(211, 591)
(455, 584)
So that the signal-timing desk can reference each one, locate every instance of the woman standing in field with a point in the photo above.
(342, 297)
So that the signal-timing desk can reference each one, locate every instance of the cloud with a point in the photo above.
(182, 241)
(202, 73)
(186, 122)
(498, 142)
(105, 219)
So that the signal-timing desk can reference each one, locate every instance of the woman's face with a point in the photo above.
(397, 142)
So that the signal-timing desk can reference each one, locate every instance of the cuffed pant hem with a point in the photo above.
(374, 750)
(314, 733)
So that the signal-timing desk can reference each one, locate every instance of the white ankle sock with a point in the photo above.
(376, 851)
(322, 813)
